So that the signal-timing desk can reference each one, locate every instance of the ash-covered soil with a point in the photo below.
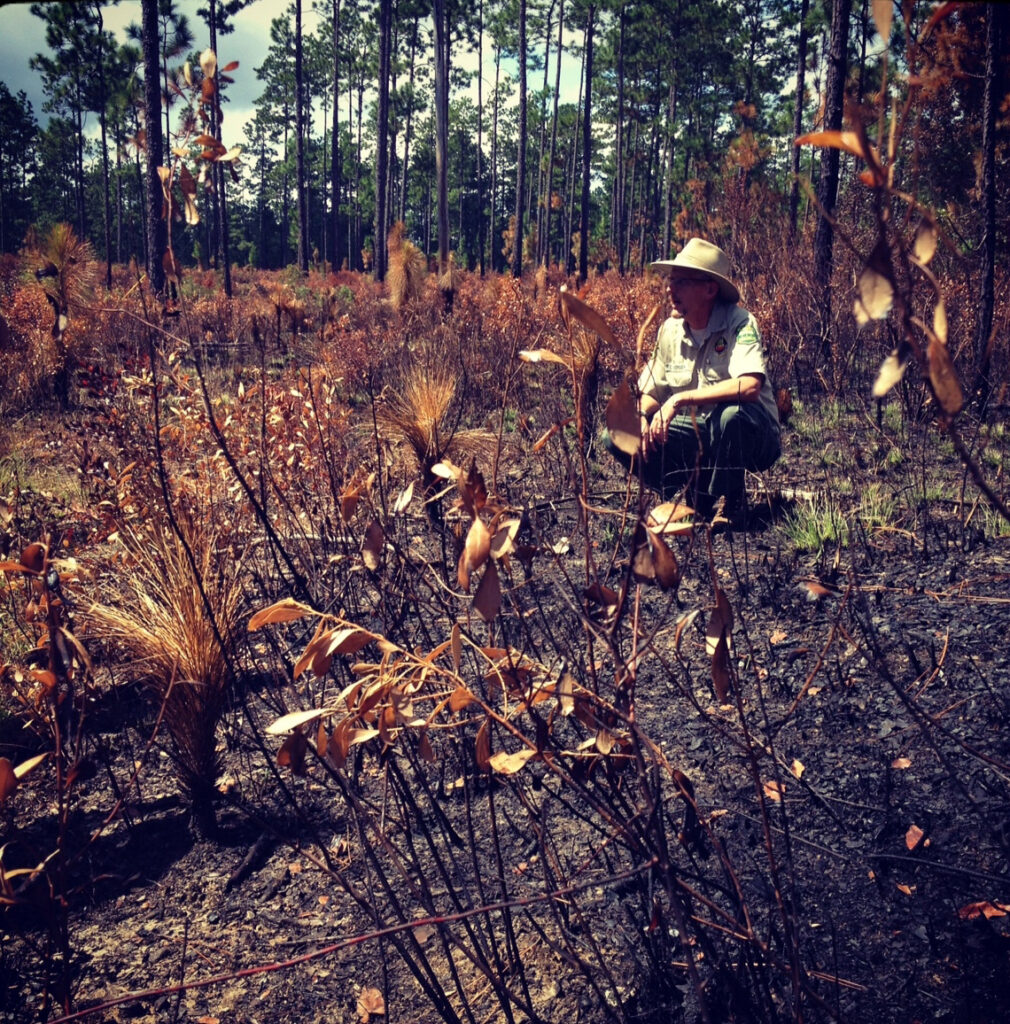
(853, 785)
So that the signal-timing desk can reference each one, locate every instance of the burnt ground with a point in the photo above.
(855, 779)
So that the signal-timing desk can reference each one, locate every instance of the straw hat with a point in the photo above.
(707, 259)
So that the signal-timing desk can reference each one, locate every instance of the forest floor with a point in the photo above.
(873, 672)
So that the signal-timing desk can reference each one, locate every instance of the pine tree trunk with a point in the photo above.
(335, 142)
(157, 233)
(517, 241)
(546, 248)
(801, 71)
(543, 192)
(103, 101)
(382, 140)
(442, 134)
(617, 222)
(410, 120)
(572, 164)
(300, 197)
(587, 149)
(356, 251)
(481, 223)
(495, 262)
(827, 189)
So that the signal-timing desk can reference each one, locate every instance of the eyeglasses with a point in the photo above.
(680, 282)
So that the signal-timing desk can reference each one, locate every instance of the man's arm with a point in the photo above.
(745, 388)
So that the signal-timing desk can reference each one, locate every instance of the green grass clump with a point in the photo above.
(816, 524)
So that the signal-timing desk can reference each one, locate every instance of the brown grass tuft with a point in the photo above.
(160, 623)
(407, 268)
(451, 278)
(421, 415)
(64, 265)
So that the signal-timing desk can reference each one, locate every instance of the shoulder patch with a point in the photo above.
(748, 335)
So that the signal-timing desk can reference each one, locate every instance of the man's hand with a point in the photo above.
(644, 441)
(659, 428)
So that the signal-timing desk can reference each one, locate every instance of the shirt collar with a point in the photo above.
(717, 321)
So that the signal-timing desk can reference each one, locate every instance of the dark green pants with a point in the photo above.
(709, 454)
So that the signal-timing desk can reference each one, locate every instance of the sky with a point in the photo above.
(22, 35)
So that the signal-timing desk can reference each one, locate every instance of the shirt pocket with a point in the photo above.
(679, 373)
(716, 367)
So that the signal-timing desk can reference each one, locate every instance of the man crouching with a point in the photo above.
(707, 410)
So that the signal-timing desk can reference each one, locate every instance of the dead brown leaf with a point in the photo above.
(586, 315)
(623, 421)
(774, 791)
(487, 600)
(370, 1003)
(983, 908)
(371, 549)
(913, 837)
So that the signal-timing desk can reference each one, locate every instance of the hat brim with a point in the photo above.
(728, 291)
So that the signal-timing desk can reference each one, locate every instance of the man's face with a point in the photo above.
(692, 295)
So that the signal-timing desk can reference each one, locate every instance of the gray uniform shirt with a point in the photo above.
(730, 346)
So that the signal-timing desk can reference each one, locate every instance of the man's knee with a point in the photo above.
(748, 435)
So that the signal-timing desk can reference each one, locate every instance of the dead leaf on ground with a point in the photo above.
(983, 908)
(906, 889)
(901, 763)
(665, 515)
(913, 837)
(797, 768)
(777, 636)
(508, 764)
(774, 791)
(816, 590)
(370, 1003)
